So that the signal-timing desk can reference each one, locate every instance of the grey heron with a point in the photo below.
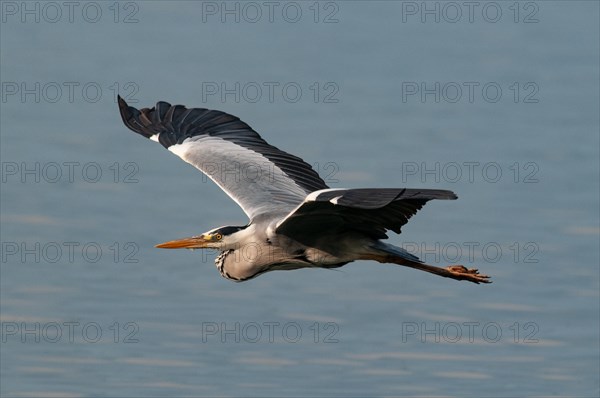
(295, 219)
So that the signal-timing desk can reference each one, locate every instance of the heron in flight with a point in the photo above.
(296, 220)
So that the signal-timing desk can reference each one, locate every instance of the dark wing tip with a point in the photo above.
(130, 117)
(138, 120)
(428, 194)
(124, 109)
(449, 195)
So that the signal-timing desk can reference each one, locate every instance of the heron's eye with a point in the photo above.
(218, 236)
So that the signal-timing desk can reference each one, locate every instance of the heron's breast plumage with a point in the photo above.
(254, 257)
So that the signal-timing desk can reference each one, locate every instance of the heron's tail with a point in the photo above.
(386, 253)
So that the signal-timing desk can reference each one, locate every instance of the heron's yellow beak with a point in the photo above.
(194, 242)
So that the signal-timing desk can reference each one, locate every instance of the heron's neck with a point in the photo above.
(237, 240)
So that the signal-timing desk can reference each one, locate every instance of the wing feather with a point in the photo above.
(371, 211)
(226, 149)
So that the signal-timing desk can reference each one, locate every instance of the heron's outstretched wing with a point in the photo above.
(258, 176)
(371, 211)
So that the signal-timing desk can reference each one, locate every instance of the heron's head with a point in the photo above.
(218, 238)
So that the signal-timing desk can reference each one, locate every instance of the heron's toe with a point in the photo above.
(468, 274)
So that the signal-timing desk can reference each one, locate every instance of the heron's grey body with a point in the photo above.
(296, 220)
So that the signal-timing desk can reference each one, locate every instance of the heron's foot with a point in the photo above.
(462, 273)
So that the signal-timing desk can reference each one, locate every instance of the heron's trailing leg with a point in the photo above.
(391, 254)
(458, 272)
